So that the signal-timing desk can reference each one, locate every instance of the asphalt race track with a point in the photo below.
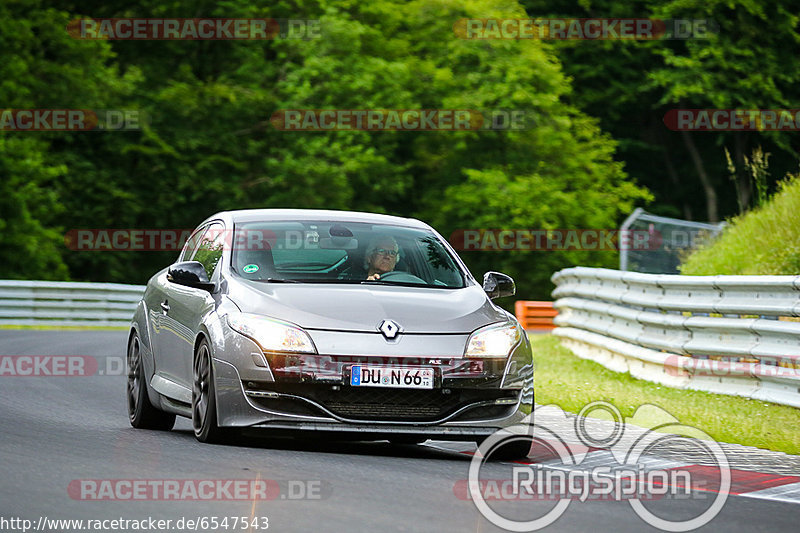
(58, 430)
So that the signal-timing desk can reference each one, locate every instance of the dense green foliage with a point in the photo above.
(750, 62)
(763, 241)
(209, 145)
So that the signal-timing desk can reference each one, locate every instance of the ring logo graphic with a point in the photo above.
(627, 464)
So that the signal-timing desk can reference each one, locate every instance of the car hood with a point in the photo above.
(363, 307)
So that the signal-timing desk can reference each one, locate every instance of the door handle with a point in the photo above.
(165, 306)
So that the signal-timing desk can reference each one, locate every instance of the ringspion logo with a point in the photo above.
(631, 470)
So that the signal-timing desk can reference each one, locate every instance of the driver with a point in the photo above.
(381, 257)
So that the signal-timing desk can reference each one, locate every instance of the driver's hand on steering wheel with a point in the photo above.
(373, 277)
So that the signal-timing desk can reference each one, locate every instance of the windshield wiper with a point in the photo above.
(397, 283)
(277, 280)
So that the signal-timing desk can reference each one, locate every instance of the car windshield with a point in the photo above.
(337, 252)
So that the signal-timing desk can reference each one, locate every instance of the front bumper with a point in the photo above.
(470, 399)
(448, 413)
(385, 432)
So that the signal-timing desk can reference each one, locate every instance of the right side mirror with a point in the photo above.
(498, 285)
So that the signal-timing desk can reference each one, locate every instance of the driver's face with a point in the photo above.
(381, 261)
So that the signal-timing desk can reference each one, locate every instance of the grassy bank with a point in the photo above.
(570, 382)
(763, 241)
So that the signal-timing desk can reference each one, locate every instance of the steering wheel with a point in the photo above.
(402, 277)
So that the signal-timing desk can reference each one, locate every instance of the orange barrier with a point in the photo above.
(535, 316)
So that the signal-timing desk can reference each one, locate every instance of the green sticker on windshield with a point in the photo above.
(249, 269)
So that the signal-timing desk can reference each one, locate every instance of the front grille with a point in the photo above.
(390, 404)
(386, 404)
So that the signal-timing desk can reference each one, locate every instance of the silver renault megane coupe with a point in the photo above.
(366, 325)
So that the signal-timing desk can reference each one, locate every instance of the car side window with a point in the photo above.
(191, 244)
(209, 250)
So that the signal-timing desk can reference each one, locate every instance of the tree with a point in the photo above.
(41, 67)
(749, 62)
(209, 145)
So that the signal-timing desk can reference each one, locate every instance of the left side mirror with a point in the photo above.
(191, 274)
(497, 285)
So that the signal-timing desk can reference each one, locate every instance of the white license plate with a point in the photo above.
(387, 376)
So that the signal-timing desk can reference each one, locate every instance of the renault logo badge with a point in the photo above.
(389, 328)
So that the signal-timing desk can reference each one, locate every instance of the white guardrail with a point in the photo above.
(64, 303)
(736, 335)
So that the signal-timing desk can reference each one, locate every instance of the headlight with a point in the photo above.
(496, 340)
(272, 335)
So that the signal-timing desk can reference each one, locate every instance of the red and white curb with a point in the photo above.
(746, 483)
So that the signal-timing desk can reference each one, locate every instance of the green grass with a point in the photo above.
(570, 382)
(67, 328)
(763, 241)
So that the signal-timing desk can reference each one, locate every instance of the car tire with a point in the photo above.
(141, 413)
(511, 449)
(204, 398)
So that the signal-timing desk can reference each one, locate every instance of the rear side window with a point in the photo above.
(209, 250)
(191, 244)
